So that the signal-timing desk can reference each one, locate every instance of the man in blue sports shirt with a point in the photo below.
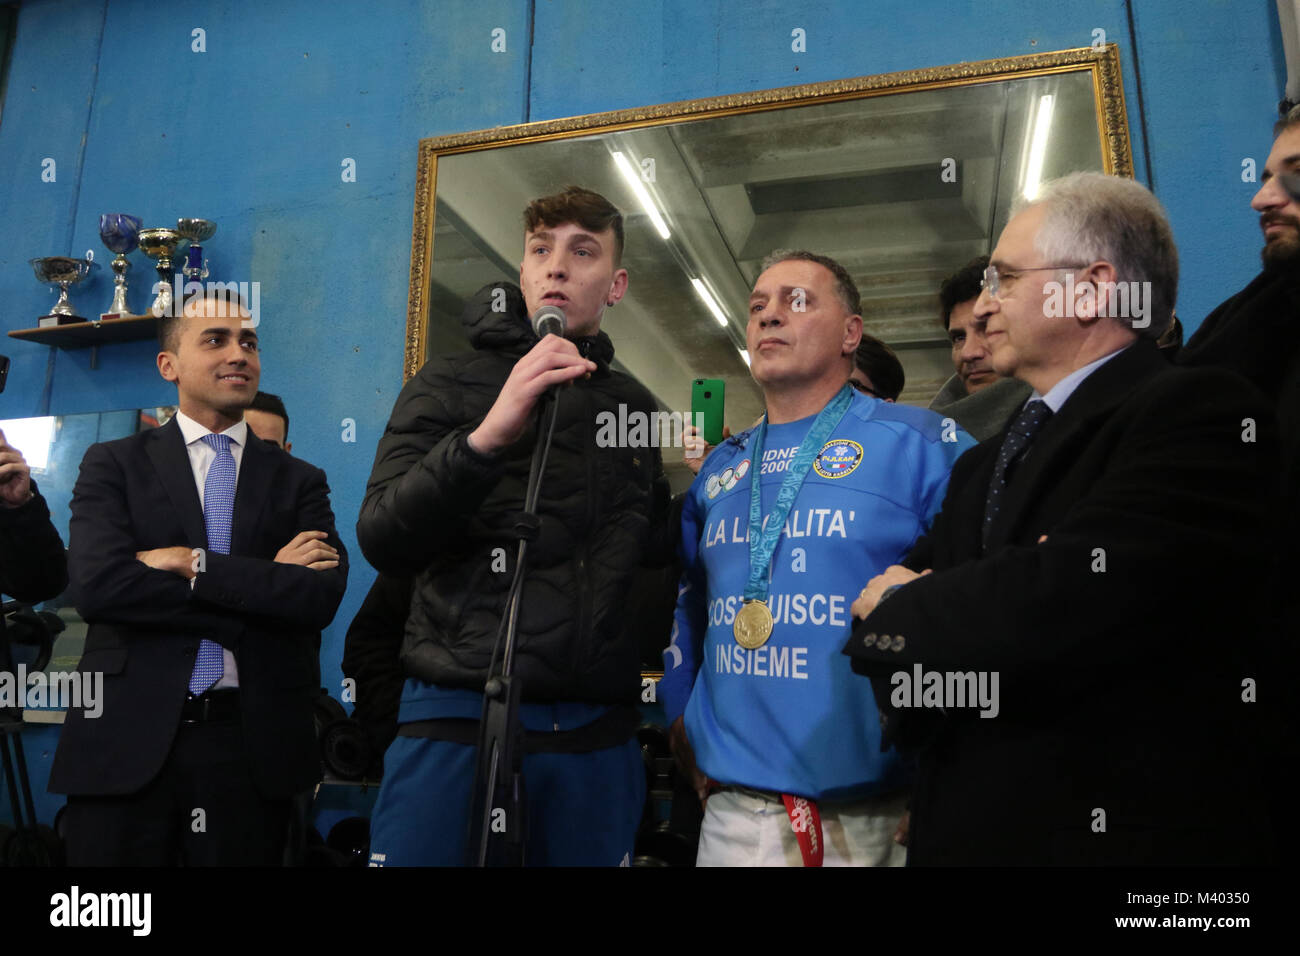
(781, 528)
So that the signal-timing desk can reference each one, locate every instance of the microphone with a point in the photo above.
(549, 319)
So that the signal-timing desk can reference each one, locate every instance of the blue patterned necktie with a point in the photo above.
(218, 515)
(1031, 418)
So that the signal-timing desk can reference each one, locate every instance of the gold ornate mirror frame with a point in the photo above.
(1103, 64)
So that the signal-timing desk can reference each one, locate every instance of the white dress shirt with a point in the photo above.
(201, 457)
(1058, 393)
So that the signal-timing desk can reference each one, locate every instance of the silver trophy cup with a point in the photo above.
(62, 271)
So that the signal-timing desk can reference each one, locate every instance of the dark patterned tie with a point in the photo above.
(1031, 418)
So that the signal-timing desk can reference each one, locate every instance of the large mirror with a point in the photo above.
(903, 178)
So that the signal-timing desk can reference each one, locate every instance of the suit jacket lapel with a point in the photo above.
(256, 470)
(1095, 398)
(166, 449)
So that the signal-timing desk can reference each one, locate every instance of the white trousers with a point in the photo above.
(746, 829)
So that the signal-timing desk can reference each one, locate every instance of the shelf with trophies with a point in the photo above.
(121, 234)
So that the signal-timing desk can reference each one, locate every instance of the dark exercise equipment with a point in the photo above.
(326, 710)
(28, 843)
(345, 748)
(30, 634)
(657, 755)
(660, 845)
(350, 839)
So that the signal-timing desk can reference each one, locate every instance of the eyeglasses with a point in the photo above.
(992, 283)
(864, 389)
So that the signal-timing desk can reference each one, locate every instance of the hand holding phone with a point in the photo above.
(708, 397)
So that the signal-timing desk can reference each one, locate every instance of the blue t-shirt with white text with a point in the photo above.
(791, 716)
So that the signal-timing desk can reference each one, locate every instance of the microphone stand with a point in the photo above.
(497, 810)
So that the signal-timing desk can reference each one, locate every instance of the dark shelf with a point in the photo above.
(83, 335)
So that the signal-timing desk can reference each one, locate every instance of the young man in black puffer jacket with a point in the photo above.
(447, 487)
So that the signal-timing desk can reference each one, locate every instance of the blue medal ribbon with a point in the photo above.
(763, 538)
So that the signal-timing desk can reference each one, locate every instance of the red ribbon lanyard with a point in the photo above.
(807, 825)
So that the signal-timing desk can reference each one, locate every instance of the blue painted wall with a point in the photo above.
(252, 134)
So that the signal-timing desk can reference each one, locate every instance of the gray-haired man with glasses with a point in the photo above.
(1122, 729)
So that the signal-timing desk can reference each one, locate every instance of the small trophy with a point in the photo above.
(121, 234)
(62, 271)
(160, 245)
(196, 231)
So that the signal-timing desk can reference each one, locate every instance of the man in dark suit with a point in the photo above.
(1257, 332)
(1079, 570)
(204, 561)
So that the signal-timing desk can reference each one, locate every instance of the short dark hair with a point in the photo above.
(271, 404)
(962, 286)
(588, 209)
(169, 325)
(845, 287)
(881, 365)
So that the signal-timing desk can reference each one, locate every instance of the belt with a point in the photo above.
(747, 791)
(612, 729)
(774, 797)
(805, 818)
(211, 705)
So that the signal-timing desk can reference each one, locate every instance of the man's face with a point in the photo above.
(215, 365)
(1279, 213)
(267, 426)
(572, 268)
(1019, 336)
(970, 352)
(799, 331)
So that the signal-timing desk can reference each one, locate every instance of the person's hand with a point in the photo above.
(696, 449)
(15, 476)
(871, 594)
(900, 834)
(684, 754)
(179, 560)
(311, 550)
(551, 361)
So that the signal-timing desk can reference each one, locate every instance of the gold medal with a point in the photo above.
(753, 624)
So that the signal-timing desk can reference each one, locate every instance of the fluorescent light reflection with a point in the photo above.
(633, 177)
(702, 291)
(1038, 146)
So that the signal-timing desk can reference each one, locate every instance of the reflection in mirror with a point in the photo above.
(903, 189)
(54, 446)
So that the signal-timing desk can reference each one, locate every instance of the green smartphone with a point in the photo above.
(707, 398)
